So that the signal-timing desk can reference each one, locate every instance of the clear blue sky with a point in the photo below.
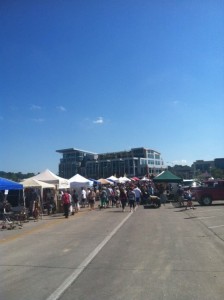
(107, 76)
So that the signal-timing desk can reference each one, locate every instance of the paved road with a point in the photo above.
(165, 253)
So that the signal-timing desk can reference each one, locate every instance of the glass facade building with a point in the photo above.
(137, 162)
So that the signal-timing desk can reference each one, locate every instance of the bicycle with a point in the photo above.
(7, 222)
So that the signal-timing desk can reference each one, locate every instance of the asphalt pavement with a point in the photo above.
(166, 253)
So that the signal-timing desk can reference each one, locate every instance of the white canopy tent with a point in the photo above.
(37, 184)
(145, 179)
(78, 181)
(49, 177)
(34, 183)
(124, 179)
(113, 178)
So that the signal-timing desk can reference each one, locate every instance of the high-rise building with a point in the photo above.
(135, 162)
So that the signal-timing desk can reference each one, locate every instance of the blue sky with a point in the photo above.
(107, 76)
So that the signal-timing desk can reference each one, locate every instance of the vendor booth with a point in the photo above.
(45, 190)
(6, 184)
(166, 183)
(60, 183)
(11, 192)
(167, 176)
(78, 181)
(49, 177)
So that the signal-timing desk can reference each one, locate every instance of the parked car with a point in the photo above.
(209, 191)
(188, 183)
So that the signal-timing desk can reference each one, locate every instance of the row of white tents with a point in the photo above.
(48, 179)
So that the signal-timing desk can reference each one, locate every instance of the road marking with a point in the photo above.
(216, 226)
(63, 287)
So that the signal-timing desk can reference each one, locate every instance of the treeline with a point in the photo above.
(15, 176)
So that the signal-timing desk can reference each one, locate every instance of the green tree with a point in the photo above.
(217, 173)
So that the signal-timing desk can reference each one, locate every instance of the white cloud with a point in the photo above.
(99, 120)
(182, 162)
(61, 108)
(35, 107)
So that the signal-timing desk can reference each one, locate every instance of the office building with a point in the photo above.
(137, 162)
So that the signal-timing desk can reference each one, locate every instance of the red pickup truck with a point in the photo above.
(208, 192)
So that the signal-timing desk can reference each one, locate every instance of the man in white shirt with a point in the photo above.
(83, 197)
(138, 194)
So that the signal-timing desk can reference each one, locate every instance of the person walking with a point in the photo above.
(91, 199)
(112, 196)
(180, 196)
(117, 196)
(36, 205)
(66, 203)
(131, 199)
(188, 196)
(123, 198)
(75, 199)
(138, 194)
(71, 203)
(103, 198)
(83, 197)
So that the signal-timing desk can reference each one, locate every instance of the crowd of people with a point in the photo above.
(124, 196)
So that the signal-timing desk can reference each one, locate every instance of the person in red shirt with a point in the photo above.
(66, 203)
